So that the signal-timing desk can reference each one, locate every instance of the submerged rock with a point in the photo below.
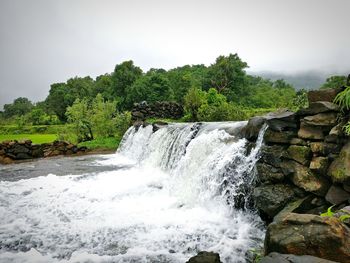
(289, 258)
(205, 257)
(304, 234)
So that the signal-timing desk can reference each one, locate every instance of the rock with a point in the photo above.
(17, 148)
(253, 127)
(322, 95)
(318, 107)
(322, 119)
(319, 165)
(336, 195)
(270, 199)
(281, 121)
(23, 156)
(289, 258)
(158, 124)
(205, 257)
(304, 234)
(322, 148)
(339, 169)
(337, 130)
(279, 137)
(268, 174)
(301, 154)
(310, 132)
(289, 208)
(138, 115)
(298, 141)
(304, 178)
(272, 155)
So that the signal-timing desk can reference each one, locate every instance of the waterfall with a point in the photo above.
(165, 196)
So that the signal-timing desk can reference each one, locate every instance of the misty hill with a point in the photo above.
(307, 80)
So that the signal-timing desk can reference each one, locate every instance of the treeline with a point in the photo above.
(221, 91)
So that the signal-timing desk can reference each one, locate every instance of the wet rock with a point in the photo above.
(281, 121)
(319, 165)
(252, 129)
(23, 156)
(322, 119)
(268, 174)
(339, 169)
(270, 199)
(304, 178)
(279, 137)
(298, 141)
(272, 155)
(205, 257)
(301, 154)
(310, 132)
(158, 125)
(322, 148)
(336, 195)
(304, 234)
(322, 95)
(290, 258)
(318, 107)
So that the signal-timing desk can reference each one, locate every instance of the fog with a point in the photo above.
(46, 41)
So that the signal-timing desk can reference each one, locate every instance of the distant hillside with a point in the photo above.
(306, 80)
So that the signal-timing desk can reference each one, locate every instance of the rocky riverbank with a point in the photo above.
(304, 170)
(12, 151)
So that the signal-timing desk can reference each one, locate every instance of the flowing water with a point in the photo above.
(162, 197)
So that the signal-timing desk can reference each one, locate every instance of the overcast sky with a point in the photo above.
(47, 41)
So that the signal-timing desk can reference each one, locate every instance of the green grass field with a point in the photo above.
(35, 138)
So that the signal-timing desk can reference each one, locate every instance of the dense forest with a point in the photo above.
(221, 91)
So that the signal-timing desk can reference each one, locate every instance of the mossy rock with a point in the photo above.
(301, 154)
(339, 169)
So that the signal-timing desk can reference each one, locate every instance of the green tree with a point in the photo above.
(102, 117)
(123, 77)
(152, 87)
(227, 75)
(79, 115)
(19, 107)
(193, 101)
(334, 82)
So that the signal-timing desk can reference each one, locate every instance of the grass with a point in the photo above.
(35, 138)
(110, 143)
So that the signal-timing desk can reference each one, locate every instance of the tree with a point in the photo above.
(193, 100)
(124, 75)
(19, 107)
(228, 77)
(102, 117)
(80, 116)
(334, 82)
(152, 87)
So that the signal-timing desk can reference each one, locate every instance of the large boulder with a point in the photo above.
(310, 132)
(318, 107)
(322, 119)
(301, 154)
(267, 174)
(280, 121)
(336, 195)
(205, 257)
(304, 178)
(305, 234)
(272, 155)
(339, 169)
(289, 258)
(323, 95)
(319, 165)
(253, 127)
(270, 199)
(279, 137)
(322, 148)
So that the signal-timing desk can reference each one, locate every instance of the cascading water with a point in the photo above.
(171, 193)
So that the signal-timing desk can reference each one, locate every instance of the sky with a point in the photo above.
(48, 41)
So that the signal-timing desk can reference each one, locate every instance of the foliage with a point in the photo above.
(152, 87)
(19, 107)
(79, 115)
(122, 123)
(193, 101)
(334, 82)
(300, 100)
(227, 76)
(343, 99)
(35, 138)
(329, 212)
